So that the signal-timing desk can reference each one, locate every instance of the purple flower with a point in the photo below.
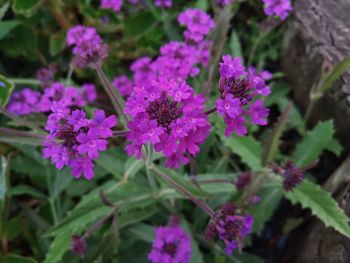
(163, 3)
(115, 5)
(292, 174)
(123, 85)
(198, 24)
(102, 125)
(82, 165)
(24, 102)
(280, 8)
(229, 226)
(91, 144)
(224, 2)
(239, 89)
(79, 246)
(46, 75)
(243, 180)
(170, 116)
(75, 141)
(170, 245)
(89, 92)
(88, 47)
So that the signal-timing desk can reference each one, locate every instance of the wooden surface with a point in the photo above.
(318, 36)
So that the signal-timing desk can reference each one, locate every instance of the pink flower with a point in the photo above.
(91, 144)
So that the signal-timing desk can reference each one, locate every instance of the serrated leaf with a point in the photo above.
(26, 7)
(270, 195)
(247, 148)
(6, 88)
(59, 246)
(313, 144)
(321, 204)
(335, 147)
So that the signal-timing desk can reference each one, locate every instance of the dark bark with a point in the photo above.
(319, 36)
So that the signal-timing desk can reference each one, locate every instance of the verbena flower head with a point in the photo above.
(71, 96)
(170, 245)
(89, 92)
(163, 3)
(279, 8)
(46, 75)
(239, 90)
(198, 24)
(24, 102)
(170, 116)
(115, 5)
(292, 174)
(124, 85)
(79, 246)
(229, 226)
(89, 49)
(74, 140)
(243, 180)
(224, 2)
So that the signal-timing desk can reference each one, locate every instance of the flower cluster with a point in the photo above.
(24, 102)
(163, 3)
(79, 246)
(115, 5)
(170, 116)
(170, 245)
(230, 227)
(198, 24)
(124, 85)
(28, 101)
(292, 174)
(280, 8)
(224, 2)
(46, 75)
(88, 47)
(74, 140)
(239, 88)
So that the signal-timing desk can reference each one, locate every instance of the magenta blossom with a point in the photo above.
(229, 226)
(279, 8)
(198, 24)
(224, 2)
(75, 141)
(170, 116)
(171, 244)
(124, 85)
(239, 89)
(115, 5)
(24, 102)
(163, 3)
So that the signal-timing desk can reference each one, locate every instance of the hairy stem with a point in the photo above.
(183, 191)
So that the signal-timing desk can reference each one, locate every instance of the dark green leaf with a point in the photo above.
(25, 189)
(26, 7)
(7, 26)
(59, 246)
(3, 10)
(6, 88)
(12, 258)
(57, 43)
(322, 205)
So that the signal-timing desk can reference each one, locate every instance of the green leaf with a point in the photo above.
(142, 232)
(25, 189)
(7, 26)
(62, 179)
(139, 24)
(217, 187)
(322, 205)
(136, 215)
(57, 43)
(111, 164)
(59, 246)
(247, 148)
(12, 258)
(3, 10)
(26, 7)
(313, 144)
(270, 195)
(335, 147)
(235, 45)
(6, 88)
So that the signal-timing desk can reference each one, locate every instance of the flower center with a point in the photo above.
(164, 111)
(170, 249)
(239, 89)
(67, 136)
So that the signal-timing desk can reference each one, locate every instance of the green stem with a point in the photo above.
(51, 200)
(111, 92)
(183, 191)
(24, 81)
(255, 47)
